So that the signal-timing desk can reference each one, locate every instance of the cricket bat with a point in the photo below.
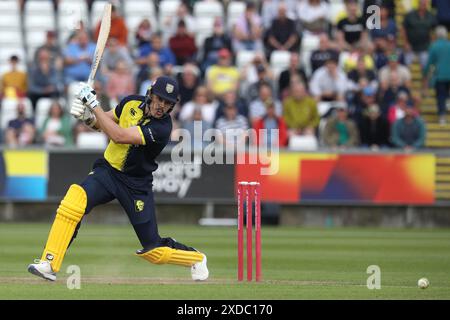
(101, 42)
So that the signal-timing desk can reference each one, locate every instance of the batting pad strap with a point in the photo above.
(68, 215)
(163, 255)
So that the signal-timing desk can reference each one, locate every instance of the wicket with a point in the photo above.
(249, 192)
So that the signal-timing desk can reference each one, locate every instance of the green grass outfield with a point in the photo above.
(298, 263)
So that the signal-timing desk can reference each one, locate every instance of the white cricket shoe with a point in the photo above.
(43, 269)
(199, 270)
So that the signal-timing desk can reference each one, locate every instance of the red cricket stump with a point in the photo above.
(257, 191)
(250, 193)
(240, 194)
(249, 196)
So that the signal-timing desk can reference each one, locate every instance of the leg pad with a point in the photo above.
(68, 215)
(163, 255)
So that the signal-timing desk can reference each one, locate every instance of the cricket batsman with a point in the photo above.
(139, 128)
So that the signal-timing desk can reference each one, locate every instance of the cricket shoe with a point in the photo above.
(199, 270)
(43, 269)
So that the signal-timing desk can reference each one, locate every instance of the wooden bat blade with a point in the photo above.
(105, 26)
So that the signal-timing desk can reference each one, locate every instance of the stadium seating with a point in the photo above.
(208, 9)
(279, 61)
(96, 12)
(309, 44)
(134, 12)
(70, 13)
(204, 29)
(234, 10)
(9, 21)
(92, 140)
(243, 58)
(39, 17)
(167, 9)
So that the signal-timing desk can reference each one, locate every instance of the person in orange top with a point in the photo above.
(118, 27)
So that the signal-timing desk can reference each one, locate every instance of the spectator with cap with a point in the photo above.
(264, 78)
(223, 76)
(294, 72)
(218, 40)
(300, 111)
(20, 131)
(14, 82)
(325, 52)
(329, 83)
(249, 73)
(51, 45)
(439, 54)
(409, 132)
(266, 125)
(384, 48)
(182, 44)
(257, 107)
(417, 28)
(78, 58)
(351, 29)
(247, 31)
(314, 16)
(340, 131)
(118, 28)
(374, 129)
(44, 80)
(282, 34)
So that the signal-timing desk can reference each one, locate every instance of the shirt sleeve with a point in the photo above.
(155, 132)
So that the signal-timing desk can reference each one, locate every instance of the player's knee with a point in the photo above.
(73, 206)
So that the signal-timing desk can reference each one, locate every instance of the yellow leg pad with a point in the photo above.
(168, 255)
(69, 214)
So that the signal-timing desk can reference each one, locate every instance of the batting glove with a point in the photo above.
(81, 112)
(88, 96)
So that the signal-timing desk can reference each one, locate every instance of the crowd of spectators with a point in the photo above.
(354, 89)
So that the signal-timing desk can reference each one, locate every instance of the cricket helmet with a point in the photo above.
(166, 88)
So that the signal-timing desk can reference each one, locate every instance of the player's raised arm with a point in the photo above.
(105, 121)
